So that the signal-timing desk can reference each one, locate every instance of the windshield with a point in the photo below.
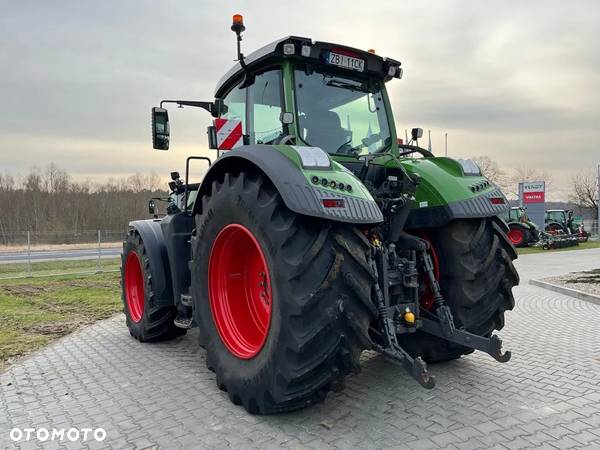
(341, 115)
(555, 216)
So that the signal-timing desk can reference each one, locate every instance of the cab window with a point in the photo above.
(235, 106)
(264, 108)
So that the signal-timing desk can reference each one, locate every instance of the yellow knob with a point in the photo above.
(409, 317)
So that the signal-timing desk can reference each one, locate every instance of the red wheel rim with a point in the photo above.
(239, 288)
(515, 235)
(426, 294)
(134, 287)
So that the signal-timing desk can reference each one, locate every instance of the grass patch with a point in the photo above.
(46, 268)
(583, 246)
(35, 311)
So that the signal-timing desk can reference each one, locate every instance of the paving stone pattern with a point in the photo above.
(162, 396)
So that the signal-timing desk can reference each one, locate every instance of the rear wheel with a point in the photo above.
(282, 301)
(476, 279)
(146, 321)
(518, 235)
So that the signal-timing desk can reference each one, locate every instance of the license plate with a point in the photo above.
(345, 61)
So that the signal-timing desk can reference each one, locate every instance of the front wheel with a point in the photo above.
(282, 301)
(146, 320)
(476, 277)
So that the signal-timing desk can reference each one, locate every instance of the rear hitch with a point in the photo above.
(416, 367)
(445, 329)
(492, 345)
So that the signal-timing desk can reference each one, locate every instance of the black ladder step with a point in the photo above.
(184, 322)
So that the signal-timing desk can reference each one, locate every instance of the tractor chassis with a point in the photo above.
(441, 323)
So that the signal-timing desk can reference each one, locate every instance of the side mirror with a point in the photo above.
(160, 129)
(416, 133)
(151, 207)
(212, 137)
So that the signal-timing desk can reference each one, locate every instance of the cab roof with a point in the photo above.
(374, 65)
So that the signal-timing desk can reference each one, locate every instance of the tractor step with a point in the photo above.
(184, 322)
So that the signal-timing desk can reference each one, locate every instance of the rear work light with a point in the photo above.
(289, 49)
(497, 200)
(333, 202)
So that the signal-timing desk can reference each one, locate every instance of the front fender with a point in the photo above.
(281, 164)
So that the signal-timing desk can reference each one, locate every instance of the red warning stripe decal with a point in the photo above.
(229, 133)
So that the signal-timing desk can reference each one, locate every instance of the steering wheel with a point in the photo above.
(285, 139)
(413, 149)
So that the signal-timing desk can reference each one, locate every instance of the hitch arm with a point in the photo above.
(492, 345)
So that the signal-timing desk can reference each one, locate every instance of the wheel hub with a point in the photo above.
(239, 288)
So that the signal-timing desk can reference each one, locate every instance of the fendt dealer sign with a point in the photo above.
(534, 192)
(532, 196)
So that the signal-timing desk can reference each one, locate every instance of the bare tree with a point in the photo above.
(490, 168)
(521, 174)
(585, 190)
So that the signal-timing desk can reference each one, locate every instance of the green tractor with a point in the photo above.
(561, 221)
(318, 235)
(522, 231)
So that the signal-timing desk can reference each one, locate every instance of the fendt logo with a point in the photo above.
(534, 192)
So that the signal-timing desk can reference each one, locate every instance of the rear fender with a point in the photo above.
(152, 236)
(446, 193)
(281, 165)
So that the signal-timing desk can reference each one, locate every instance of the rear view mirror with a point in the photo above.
(160, 129)
(417, 133)
(152, 207)
(212, 137)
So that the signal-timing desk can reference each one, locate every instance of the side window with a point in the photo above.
(235, 103)
(264, 108)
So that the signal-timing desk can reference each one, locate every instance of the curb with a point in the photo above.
(567, 291)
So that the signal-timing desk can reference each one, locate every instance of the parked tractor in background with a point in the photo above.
(315, 236)
(561, 221)
(522, 232)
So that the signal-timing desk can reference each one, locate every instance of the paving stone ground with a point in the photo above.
(161, 395)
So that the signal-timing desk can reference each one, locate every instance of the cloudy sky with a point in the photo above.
(515, 80)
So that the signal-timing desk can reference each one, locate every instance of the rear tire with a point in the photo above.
(320, 291)
(476, 279)
(146, 321)
(519, 235)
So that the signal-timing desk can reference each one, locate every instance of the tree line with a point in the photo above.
(49, 202)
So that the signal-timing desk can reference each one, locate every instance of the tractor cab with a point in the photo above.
(317, 94)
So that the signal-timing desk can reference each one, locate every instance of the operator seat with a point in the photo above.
(324, 130)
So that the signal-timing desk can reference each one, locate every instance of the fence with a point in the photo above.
(591, 226)
(30, 254)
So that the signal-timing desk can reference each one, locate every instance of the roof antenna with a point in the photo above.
(238, 26)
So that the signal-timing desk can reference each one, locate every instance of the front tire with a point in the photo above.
(476, 279)
(146, 320)
(316, 279)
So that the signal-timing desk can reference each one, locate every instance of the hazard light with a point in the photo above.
(238, 23)
(497, 200)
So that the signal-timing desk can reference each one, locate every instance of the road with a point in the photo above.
(162, 395)
(59, 255)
